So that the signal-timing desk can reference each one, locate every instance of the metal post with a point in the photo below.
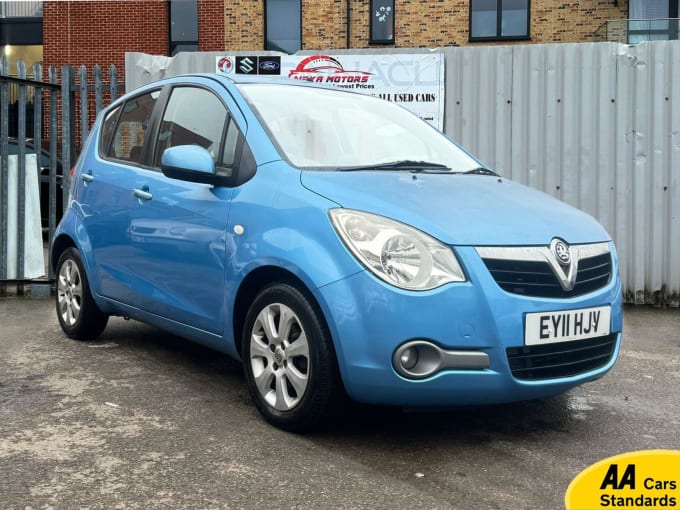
(66, 132)
(84, 121)
(4, 173)
(97, 72)
(37, 131)
(113, 82)
(53, 161)
(21, 180)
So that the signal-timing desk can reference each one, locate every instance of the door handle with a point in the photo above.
(88, 177)
(142, 194)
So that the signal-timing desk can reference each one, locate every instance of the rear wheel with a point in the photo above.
(79, 316)
(289, 360)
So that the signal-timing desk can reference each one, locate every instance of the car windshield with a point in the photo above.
(328, 129)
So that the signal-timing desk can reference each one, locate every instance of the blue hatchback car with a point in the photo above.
(334, 243)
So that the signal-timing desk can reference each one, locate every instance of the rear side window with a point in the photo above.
(128, 137)
(193, 116)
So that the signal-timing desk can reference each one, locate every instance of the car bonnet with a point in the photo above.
(457, 209)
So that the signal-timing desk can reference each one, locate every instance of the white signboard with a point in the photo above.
(415, 81)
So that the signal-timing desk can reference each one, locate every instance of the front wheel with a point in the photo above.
(79, 316)
(289, 360)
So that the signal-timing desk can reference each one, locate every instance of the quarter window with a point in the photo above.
(230, 142)
(108, 128)
(193, 116)
(499, 19)
(128, 138)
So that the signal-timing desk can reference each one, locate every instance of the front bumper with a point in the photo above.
(370, 319)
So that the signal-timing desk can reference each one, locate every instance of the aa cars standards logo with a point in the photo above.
(643, 479)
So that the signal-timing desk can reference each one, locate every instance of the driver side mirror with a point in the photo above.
(191, 163)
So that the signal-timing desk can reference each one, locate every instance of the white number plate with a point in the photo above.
(565, 325)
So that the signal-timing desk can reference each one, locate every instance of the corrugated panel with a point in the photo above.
(596, 125)
(653, 69)
(478, 106)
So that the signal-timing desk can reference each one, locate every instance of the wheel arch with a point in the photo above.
(59, 246)
(251, 286)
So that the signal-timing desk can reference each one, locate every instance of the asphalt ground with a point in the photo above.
(141, 419)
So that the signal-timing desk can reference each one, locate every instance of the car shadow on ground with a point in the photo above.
(220, 373)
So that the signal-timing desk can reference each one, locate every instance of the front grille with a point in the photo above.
(563, 359)
(536, 278)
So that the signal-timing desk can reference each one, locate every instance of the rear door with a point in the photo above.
(105, 194)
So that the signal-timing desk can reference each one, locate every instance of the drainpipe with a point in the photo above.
(348, 25)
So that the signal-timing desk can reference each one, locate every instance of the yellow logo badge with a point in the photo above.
(644, 479)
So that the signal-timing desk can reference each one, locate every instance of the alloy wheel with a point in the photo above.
(279, 357)
(69, 292)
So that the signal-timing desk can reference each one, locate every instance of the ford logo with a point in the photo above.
(269, 65)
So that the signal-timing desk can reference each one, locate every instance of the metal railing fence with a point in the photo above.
(58, 120)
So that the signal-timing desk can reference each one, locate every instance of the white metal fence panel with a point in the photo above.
(596, 125)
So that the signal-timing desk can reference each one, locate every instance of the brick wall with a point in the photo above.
(244, 25)
(418, 23)
(89, 33)
(572, 21)
(211, 23)
(324, 24)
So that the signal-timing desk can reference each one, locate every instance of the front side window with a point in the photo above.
(193, 116)
(283, 24)
(499, 19)
(130, 130)
(328, 129)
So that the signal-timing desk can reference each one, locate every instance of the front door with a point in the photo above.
(177, 228)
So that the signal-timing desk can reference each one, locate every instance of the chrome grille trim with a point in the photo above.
(533, 270)
(538, 253)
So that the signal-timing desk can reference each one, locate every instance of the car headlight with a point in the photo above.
(401, 255)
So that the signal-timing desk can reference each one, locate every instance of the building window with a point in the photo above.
(183, 25)
(21, 9)
(382, 21)
(499, 19)
(283, 25)
(653, 20)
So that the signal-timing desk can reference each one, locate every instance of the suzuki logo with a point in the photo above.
(563, 261)
(246, 65)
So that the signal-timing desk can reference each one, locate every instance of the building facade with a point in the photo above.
(83, 32)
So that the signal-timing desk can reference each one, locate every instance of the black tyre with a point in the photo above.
(289, 360)
(78, 314)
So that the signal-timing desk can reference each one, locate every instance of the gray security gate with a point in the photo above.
(51, 119)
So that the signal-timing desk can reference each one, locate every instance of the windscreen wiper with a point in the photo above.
(480, 171)
(406, 164)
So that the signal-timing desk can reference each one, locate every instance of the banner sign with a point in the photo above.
(415, 81)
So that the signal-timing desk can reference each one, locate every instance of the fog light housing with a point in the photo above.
(420, 359)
